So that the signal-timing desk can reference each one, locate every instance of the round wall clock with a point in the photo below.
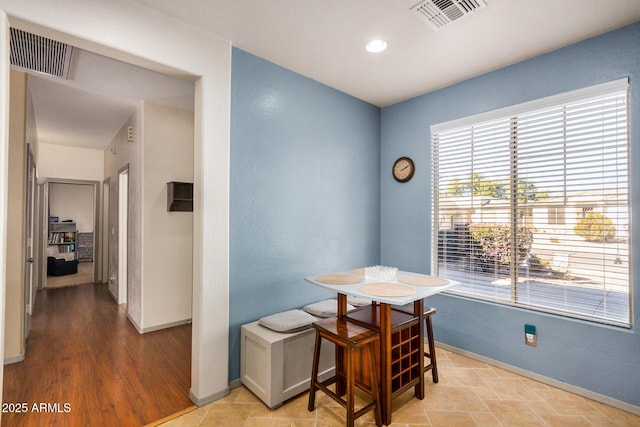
(403, 169)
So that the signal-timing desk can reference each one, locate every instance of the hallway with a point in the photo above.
(89, 366)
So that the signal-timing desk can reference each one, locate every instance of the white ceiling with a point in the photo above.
(91, 107)
(324, 40)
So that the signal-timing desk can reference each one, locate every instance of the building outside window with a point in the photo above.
(556, 215)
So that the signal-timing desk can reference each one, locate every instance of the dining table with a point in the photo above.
(396, 312)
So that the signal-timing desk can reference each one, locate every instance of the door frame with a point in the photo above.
(29, 243)
(123, 236)
(97, 227)
(212, 76)
(103, 270)
(4, 170)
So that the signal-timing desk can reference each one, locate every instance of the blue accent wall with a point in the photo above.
(599, 358)
(304, 190)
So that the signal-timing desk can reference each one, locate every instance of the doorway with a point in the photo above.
(123, 234)
(76, 203)
(210, 346)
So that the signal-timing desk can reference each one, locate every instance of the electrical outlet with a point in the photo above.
(530, 335)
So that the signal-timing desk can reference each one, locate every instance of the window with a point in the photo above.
(531, 204)
(556, 215)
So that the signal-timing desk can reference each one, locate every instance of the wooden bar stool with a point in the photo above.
(432, 366)
(352, 339)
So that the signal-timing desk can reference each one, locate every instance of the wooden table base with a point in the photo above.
(400, 355)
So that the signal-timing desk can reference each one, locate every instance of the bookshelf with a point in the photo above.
(63, 235)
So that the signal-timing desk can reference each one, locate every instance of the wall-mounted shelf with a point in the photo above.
(179, 196)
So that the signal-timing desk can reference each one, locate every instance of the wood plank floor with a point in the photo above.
(88, 364)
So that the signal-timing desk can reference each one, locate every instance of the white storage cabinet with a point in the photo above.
(277, 366)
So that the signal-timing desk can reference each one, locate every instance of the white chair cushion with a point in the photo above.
(288, 321)
(67, 256)
(326, 308)
(358, 301)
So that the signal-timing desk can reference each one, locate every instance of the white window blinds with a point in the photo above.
(531, 204)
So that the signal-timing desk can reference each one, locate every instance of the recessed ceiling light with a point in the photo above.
(375, 46)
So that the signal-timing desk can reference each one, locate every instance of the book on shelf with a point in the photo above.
(57, 237)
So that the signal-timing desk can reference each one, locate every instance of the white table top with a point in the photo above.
(354, 289)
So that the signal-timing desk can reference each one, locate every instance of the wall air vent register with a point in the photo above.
(37, 53)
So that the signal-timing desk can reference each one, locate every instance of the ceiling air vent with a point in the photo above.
(439, 13)
(36, 53)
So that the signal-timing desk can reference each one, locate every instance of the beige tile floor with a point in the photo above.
(469, 393)
(82, 277)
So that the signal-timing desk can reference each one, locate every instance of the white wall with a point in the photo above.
(15, 256)
(160, 258)
(118, 155)
(167, 138)
(57, 161)
(75, 202)
(159, 42)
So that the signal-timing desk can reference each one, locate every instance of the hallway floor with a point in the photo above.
(86, 365)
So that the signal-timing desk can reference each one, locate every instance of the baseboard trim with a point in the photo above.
(135, 324)
(545, 380)
(235, 383)
(142, 330)
(115, 298)
(208, 399)
(166, 326)
(16, 359)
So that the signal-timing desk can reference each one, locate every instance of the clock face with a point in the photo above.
(403, 169)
